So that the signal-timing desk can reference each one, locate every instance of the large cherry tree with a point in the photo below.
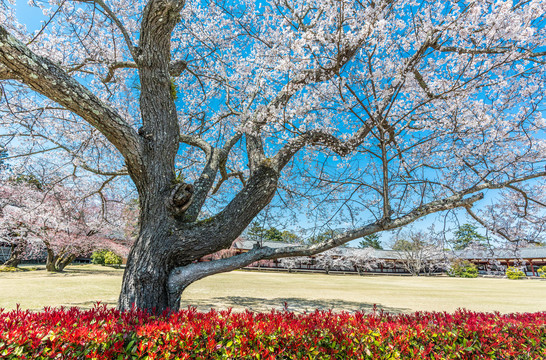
(365, 114)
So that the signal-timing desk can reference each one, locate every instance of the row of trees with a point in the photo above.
(418, 256)
(463, 237)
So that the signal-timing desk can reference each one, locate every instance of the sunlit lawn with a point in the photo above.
(84, 285)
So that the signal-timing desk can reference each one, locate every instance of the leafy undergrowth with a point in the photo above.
(103, 333)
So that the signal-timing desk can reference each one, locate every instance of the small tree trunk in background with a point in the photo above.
(15, 255)
(50, 261)
(57, 263)
(63, 261)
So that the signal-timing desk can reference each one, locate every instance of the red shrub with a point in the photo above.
(103, 333)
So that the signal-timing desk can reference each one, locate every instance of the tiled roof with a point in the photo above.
(524, 253)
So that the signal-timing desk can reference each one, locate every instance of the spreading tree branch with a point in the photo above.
(181, 277)
(47, 78)
(321, 138)
(216, 159)
(6, 73)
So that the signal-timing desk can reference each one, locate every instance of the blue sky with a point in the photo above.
(31, 16)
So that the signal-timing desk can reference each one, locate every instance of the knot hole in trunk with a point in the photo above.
(181, 199)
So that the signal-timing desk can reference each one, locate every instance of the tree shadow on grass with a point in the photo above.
(297, 305)
(84, 305)
(104, 270)
(242, 303)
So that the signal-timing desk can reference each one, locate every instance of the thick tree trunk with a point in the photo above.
(64, 261)
(15, 255)
(57, 263)
(50, 261)
(145, 278)
(150, 262)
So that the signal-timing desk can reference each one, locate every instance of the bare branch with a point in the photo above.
(6, 73)
(119, 65)
(485, 225)
(226, 176)
(317, 137)
(216, 159)
(255, 151)
(205, 182)
(119, 24)
(183, 276)
(499, 50)
(231, 142)
(422, 84)
(198, 142)
(491, 51)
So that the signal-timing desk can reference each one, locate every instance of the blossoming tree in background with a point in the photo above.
(421, 252)
(53, 219)
(367, 115)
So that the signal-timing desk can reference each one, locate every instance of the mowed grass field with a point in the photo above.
(84, 285)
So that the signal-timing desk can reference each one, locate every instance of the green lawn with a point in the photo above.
(83, 285)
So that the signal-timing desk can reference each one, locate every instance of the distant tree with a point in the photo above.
(333, 259)
(290, 263)
(370, 241)
(289, 237)
(323, 236)
(420, 252)
(465, 235)
(405, 245)
(15, 237)
(273, 234)
(13, 230)
(257, 233)
(65, 224)
(363, 259)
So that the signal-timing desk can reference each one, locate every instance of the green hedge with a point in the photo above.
(106, 257)
(463, 268)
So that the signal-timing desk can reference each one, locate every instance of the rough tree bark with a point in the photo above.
(16, 255)
(57, 262)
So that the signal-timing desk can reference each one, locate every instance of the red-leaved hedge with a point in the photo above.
(103, 333)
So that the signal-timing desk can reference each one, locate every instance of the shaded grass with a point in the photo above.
(84, 285)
